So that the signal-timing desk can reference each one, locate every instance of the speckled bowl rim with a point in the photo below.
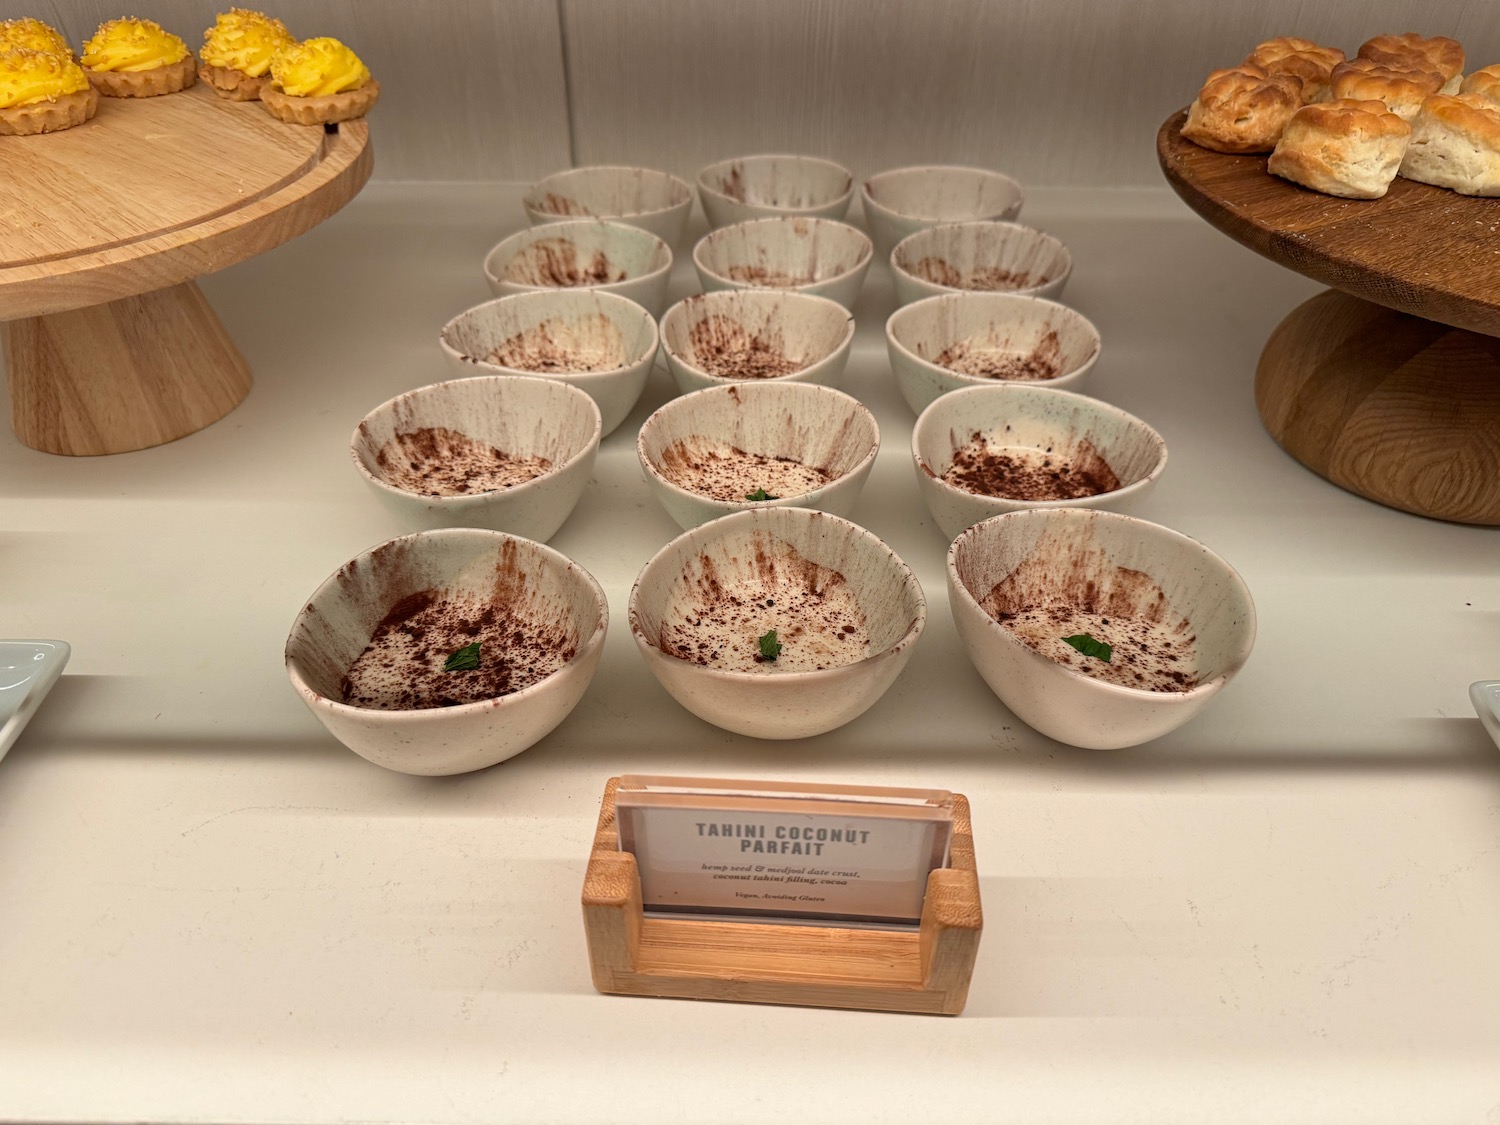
(577, 173)
(868, 199)
(981, 380)
(729, 506)
(866, 256)
(530, 235)
(477, 499)
(1147, 528)
(844, 197)
(484, 366)
(1019, 389)
(726, 296)
(722, 525)
(551, 555)
(1028, 291)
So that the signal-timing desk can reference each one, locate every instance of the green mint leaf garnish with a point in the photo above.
(1090, 647)
(770, 647)
(464, 659)
(760, 494)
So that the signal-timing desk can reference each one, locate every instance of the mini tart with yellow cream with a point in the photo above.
(318, 82)
(133, 58)
(237, 53)
(33, 35)
(42, 92)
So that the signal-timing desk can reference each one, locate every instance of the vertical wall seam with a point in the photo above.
(567, 74)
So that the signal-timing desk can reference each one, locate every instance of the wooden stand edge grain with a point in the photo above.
(926, 971)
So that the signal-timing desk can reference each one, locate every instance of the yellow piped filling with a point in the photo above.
(318, 67)
(28, 77)
(132, 45)
(33, 35)
(245, 41)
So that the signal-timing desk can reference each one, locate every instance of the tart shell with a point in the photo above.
(324, 109)
(49, 116)
(233, 85)
(151, 83)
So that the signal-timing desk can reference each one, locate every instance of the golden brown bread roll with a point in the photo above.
(1455, 143)
(1406, 51)
(1403, 90)
(1302, 58)
(1346, 148)
(1242, 109)
(1484, 83)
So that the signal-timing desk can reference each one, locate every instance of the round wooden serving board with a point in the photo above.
(1391, 387)
(103, 227)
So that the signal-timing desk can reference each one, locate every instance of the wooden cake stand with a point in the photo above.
(1389, 384)
(109, 345)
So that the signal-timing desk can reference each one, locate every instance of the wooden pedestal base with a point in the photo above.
(129, 374)
(926, 971)
(1401, 410)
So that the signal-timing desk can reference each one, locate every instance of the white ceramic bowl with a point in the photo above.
(638, 197)
(756, 335)
(601, 343)
(557, 607)
(905, 200)
(817, 256)
(824, 574)
(1485, 695)
(583, 254)
(1115, 566)
(705, 453)
(430, 454)
(982, 257)
(1020, 440)
(941, 344)
(764, 187)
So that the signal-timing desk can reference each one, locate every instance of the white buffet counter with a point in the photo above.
(209, 910)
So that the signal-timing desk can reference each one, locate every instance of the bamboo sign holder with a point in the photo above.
(109, 343)
(927, 970)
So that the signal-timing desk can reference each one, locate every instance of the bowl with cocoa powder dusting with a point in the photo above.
(1098, 629)
(583, 254)
(777, 622)
(754, 336)
(958, 340)
(761, 187)
(448, 651)
(601, 343)
(754, 445)
(902, 201)
(638, 197)
(979, 258)
(981, 451)
(506, 453)
(817, 256)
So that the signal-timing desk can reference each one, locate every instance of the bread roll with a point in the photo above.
(1455, 143)
(1410, 50)
(1242, 109)
(1403, 90)
(1345, 148)
(1484, 83)
(1299, 57)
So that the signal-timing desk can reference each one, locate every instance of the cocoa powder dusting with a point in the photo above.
(402, 667)
(554, 204)
(987, 468)
(761, 275)
(1044, 600)
(590, 343)
(721, 471)
(437, 461)
(733, 184)
(722, 346)
(971, 357)
(557, 262)
(719, 620)
(987, 278)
